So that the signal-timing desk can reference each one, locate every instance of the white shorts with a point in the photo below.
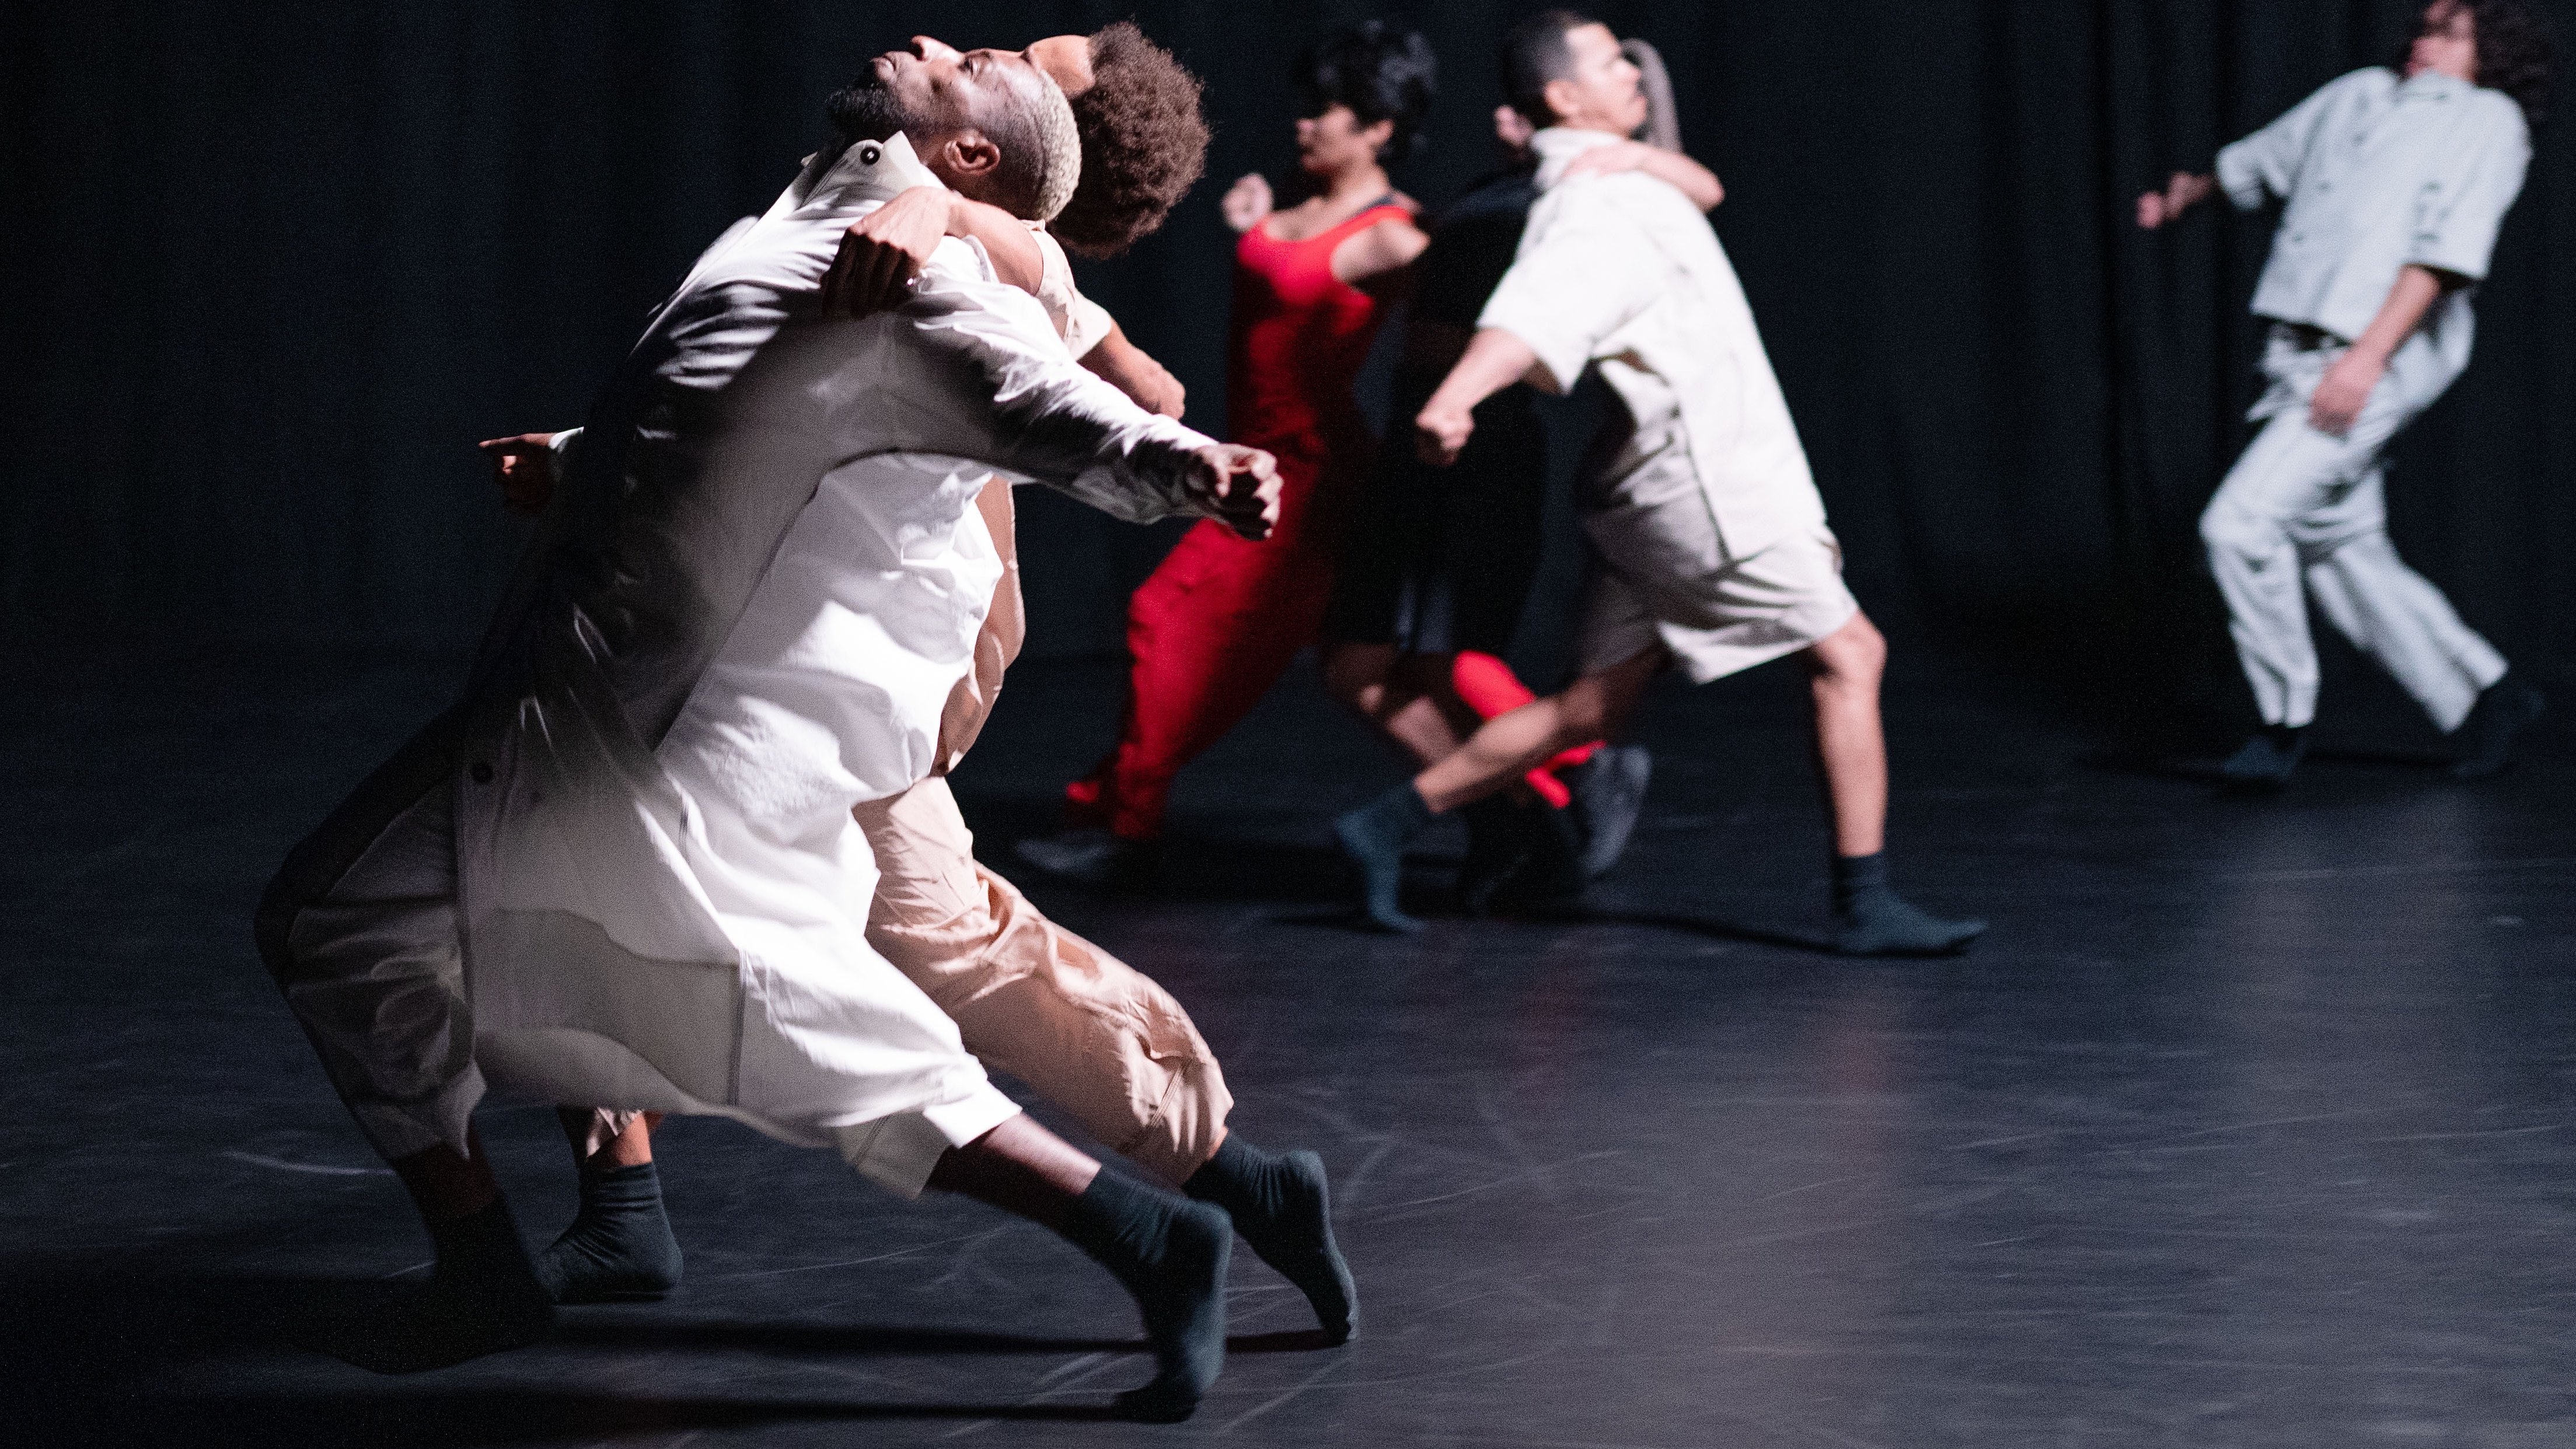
(1720, 620)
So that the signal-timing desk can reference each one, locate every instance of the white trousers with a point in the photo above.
(2303, 515)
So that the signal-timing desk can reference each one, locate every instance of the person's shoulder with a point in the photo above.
(2498, 116)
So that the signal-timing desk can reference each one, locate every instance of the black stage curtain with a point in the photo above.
(271, 268)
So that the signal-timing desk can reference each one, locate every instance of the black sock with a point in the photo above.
(483, 1297)
(619, 1245)
(1282, 1208)
(1171, 1254)
(1373, 839)
(1871, 919)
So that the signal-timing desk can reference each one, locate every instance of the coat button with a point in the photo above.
(482, 773)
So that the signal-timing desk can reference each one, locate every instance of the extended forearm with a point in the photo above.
(2417, 289)
(1007, 240)
(1494, 360)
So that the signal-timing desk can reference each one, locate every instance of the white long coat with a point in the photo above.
(763, 578)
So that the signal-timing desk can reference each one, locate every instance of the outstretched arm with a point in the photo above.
(2345, 390)
(2183, 192)
(1133, 371)
(1057, 424)
(1494, 360)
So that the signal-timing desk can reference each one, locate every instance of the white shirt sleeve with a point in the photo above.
(2266, 163)
(1056, 423)
(1585, 270)
(2457, 217)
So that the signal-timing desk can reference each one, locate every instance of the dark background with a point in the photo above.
(271, 269)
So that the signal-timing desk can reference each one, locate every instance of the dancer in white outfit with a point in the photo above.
(624, 868)
(2395, 182)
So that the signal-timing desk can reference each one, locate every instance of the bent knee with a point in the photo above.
(1855, 652)
(2227, 527)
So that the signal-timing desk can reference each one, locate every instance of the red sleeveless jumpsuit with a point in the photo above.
(1218, 622)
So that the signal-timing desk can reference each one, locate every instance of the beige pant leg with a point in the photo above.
(1090, 1033)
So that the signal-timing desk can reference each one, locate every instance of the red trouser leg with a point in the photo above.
(1488, 686)
(1209, 633)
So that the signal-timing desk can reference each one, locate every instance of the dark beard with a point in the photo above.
(866, 110)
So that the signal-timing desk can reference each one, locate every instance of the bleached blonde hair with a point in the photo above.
(1059, 150)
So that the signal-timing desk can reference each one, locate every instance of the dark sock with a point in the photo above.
(482, 1298)
(1171, 1254)
(1283, 1208)
(619, 1245)
(2504, 709)
(1373, 839)
(1871, 919)
(2265, 760)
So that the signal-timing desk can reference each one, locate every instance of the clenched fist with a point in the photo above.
(884, 251)
(524, 466)
(1239, 487)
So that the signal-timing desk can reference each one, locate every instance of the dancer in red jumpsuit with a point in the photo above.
(1220, 619)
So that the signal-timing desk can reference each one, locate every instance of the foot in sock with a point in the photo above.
(1094, 858)
(1373, 839)
(2504, 709)
(619, 1247)
(2264, 762)
(1609, 793)
(1282, 1207)
(1171, 1254)
(483, 1298)
(1871, 919)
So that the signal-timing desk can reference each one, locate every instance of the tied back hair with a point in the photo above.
(1663, 128)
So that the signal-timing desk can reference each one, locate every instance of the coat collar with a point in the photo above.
(866, 171)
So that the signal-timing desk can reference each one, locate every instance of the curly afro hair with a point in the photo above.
(2515, 52)
(1144, 143)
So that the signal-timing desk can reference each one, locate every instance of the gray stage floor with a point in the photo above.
(2251, 1123)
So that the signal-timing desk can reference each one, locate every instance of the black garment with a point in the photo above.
(1438, 560)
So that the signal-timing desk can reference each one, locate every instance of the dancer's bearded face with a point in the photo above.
(930, 88)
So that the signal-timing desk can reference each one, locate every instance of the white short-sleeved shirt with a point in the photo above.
(2380, 174)
(1623, 273)
(1080, 321)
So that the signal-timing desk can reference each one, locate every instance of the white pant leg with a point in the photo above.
(2398, 618)
(377, 981)
(2286, 471)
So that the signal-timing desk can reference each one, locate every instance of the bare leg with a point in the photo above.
(1851, 747)
(594, 1147)
(1373, 838)
(1390, 691)
(1870, 918)
(1509, 746)
(1019, 1167)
